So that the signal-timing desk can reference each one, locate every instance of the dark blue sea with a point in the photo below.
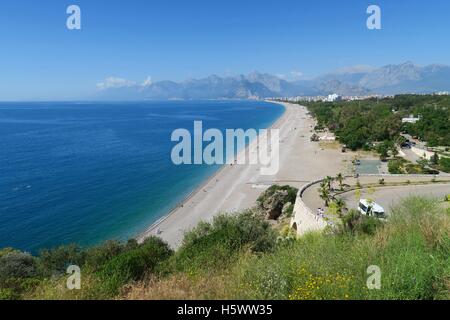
(88, 172)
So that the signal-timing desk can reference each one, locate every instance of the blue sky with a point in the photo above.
(176, 40)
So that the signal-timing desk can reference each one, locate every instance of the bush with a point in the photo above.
(356, 223)
(17, 270)
(96, 257)
(444, 164)
(7, 294)
(369, 225)
(6, 251)
(395, 166)
(214, 245)
(55, 261)
(133, 264)
(412, 250)
(17, 265)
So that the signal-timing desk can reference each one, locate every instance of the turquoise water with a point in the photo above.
(87, 172)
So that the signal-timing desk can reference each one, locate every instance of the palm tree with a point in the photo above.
(325, 193)
(328, 181)
(394, 151)
(340, 179)
(340, 205)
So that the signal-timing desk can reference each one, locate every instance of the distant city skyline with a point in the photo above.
(144, 41)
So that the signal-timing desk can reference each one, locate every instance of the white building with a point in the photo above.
(333, 97)
(411, 119)
(328, 137)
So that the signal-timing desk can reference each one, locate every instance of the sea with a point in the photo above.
(87, 172)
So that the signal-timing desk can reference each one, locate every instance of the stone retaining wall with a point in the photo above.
(304, 219)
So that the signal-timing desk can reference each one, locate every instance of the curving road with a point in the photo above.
(391, 196)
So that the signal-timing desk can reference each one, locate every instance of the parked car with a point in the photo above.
(370, 208)
(406, 145)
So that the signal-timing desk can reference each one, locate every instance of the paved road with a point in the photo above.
(410, 156)
(389, 196)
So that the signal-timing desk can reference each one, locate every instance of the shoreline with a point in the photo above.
(234, 188)
(153, 227)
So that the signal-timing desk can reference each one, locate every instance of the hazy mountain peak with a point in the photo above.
(355, 69)
(406, 77)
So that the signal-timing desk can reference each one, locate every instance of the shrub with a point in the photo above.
(296, 271)
(96, 257)
(288, 210)
(7, 294)
(354, 222)
(17, 270)
(383, 149)
(213, 245)
(55, 288)
(413, 169)
(412, 250)
(368, 225)
(395, 166)
(133, 264)
(6, 251)
(444, 164)
(17, 265)
(56, 261)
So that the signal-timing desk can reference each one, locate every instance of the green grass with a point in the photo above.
(412, 251)
(242, 257)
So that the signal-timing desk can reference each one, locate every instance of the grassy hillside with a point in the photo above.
(412, 251)
(243, 257)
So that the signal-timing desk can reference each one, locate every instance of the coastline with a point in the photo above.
(234, 188)
(153, 227)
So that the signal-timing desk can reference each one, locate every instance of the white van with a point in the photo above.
(371, 208)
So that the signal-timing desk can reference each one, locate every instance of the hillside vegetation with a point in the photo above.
(359, 124)
(243, 257)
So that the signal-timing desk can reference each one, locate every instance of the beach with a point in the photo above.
(236, 187)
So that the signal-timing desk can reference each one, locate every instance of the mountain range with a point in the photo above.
(352, 81)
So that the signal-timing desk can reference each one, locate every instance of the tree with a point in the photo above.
(325, 193)
(56, 260)
(382, 149)
(435, 159)
(444, 164)
(328, 181)
(340, 179)
(394, 151)
(340, 206)
(358, 194)
(422, 162)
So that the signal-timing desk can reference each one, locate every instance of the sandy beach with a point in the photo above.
(236, 187)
